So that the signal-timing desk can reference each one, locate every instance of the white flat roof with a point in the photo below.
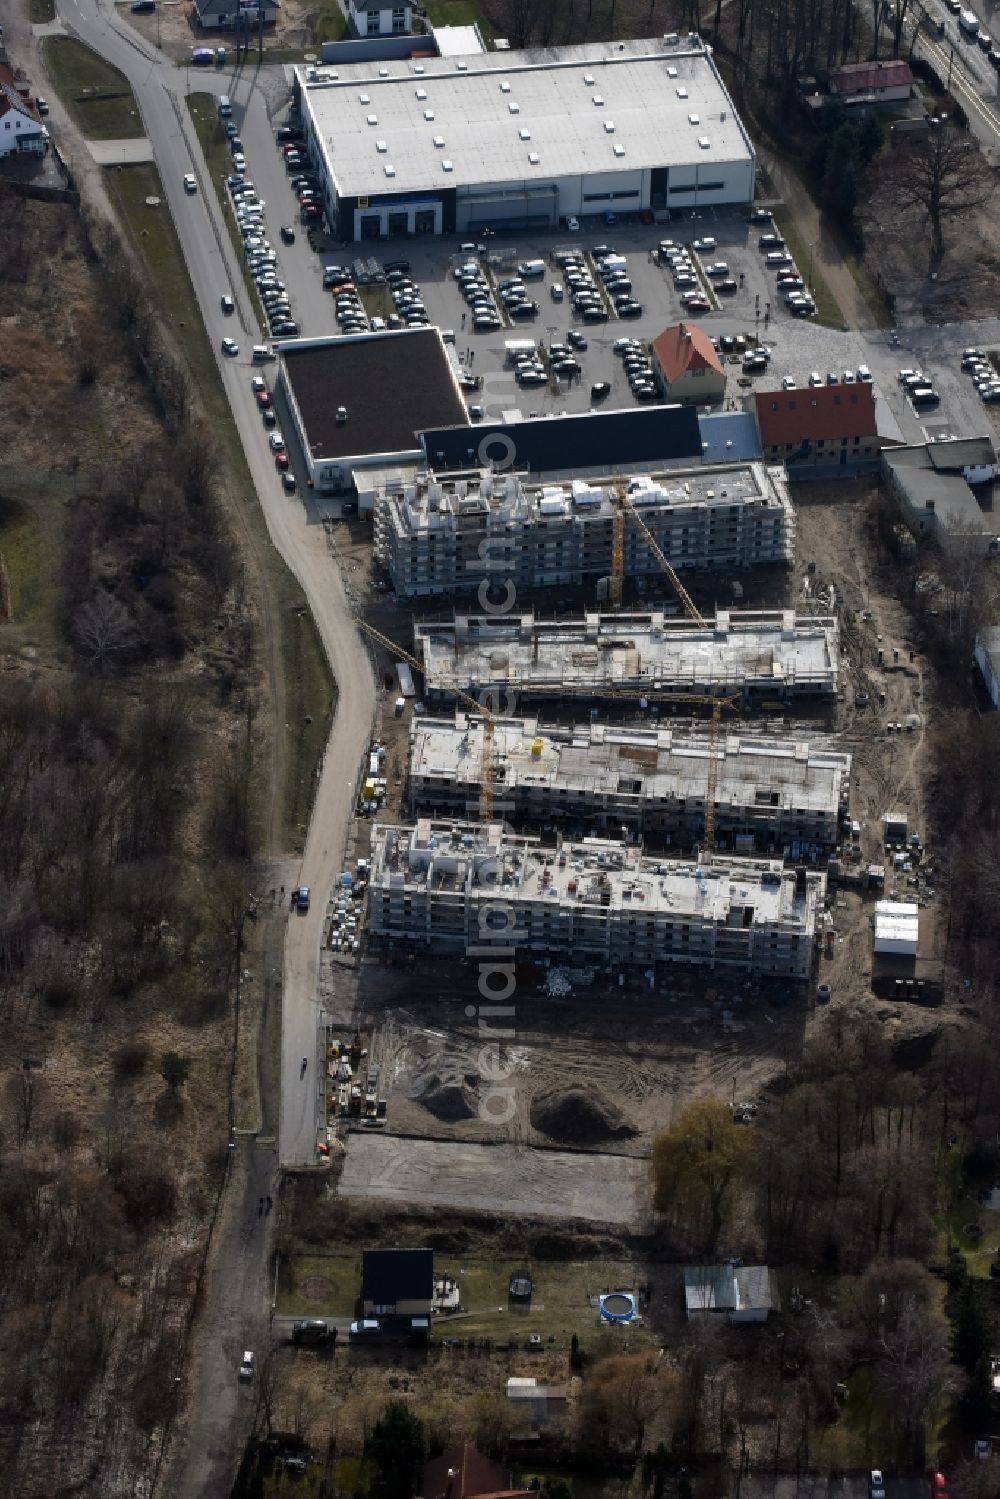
(604, 108)
(458, 41)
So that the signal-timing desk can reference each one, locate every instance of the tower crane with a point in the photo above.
(624, 694)
(625, 508)
(487, 776)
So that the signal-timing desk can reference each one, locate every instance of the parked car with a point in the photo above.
(310, 1330)
(247, 1366)
(705, 245)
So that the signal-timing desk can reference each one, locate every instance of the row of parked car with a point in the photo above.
(265, 405)
(789, 281)
(638, 367)
(483, 303)
(305, 184)
(919, 388)
(983, 374)
(678, 258)
(261, 257)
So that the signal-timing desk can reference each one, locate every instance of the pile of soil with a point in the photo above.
(447, 1092)
(575, 1117)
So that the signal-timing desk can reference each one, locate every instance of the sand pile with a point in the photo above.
(447, 1091)
(575, 1117)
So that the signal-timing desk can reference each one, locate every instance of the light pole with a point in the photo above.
(809, 278)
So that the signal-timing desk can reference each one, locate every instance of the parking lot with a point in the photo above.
(798, 346)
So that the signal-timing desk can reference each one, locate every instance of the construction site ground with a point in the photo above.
(608, 1065)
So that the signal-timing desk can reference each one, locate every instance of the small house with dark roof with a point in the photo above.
(689, 369)
(819, 432)
(397, 1282)
(870, 84)
(462, 1472)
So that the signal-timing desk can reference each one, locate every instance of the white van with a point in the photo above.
(531, 268)
(225, 107)
(261, 354)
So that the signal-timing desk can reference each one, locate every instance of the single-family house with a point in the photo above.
(821, 431)
(397, 1282)
(740, 1293)
(224, 15)
(868, 85)
(21, 128)
(462, 1472)
(376, 18)
(987, 657)
(687, 365)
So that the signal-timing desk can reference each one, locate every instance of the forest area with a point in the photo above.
(130, 719)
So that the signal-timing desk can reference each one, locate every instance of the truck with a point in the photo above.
(405, 676)
(518, 348)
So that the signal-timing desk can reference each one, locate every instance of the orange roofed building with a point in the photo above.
(688, 367)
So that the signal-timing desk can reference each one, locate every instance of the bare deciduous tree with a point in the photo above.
(941, 176)
(104, 629)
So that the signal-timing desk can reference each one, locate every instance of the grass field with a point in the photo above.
(563, 1303)
(458, 13)
(31, 528)
(218, 158)
(311, 1285)
(97, 96)
(309, 692)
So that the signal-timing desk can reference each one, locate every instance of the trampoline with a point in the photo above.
(618, 1306)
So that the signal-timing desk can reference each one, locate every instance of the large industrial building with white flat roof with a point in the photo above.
(769, 793)
(497, 140)
(774, 654)
(441, 534)
(455, 887)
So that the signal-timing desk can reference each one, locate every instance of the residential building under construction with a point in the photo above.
(437, 535)
(770, 794)
(766, 655)
(477, 890)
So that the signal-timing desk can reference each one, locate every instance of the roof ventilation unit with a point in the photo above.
(609, 126)
(381, 147)
(599, 100)
(504, 86)
(619, 150)
(373, 119)
(515, 109)
(421, 93)
(448, 165)
(533, 158)
(524, 134)
(428, 114)
(704, 142)
(390, 170)
(364, 99)
(341, 415)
